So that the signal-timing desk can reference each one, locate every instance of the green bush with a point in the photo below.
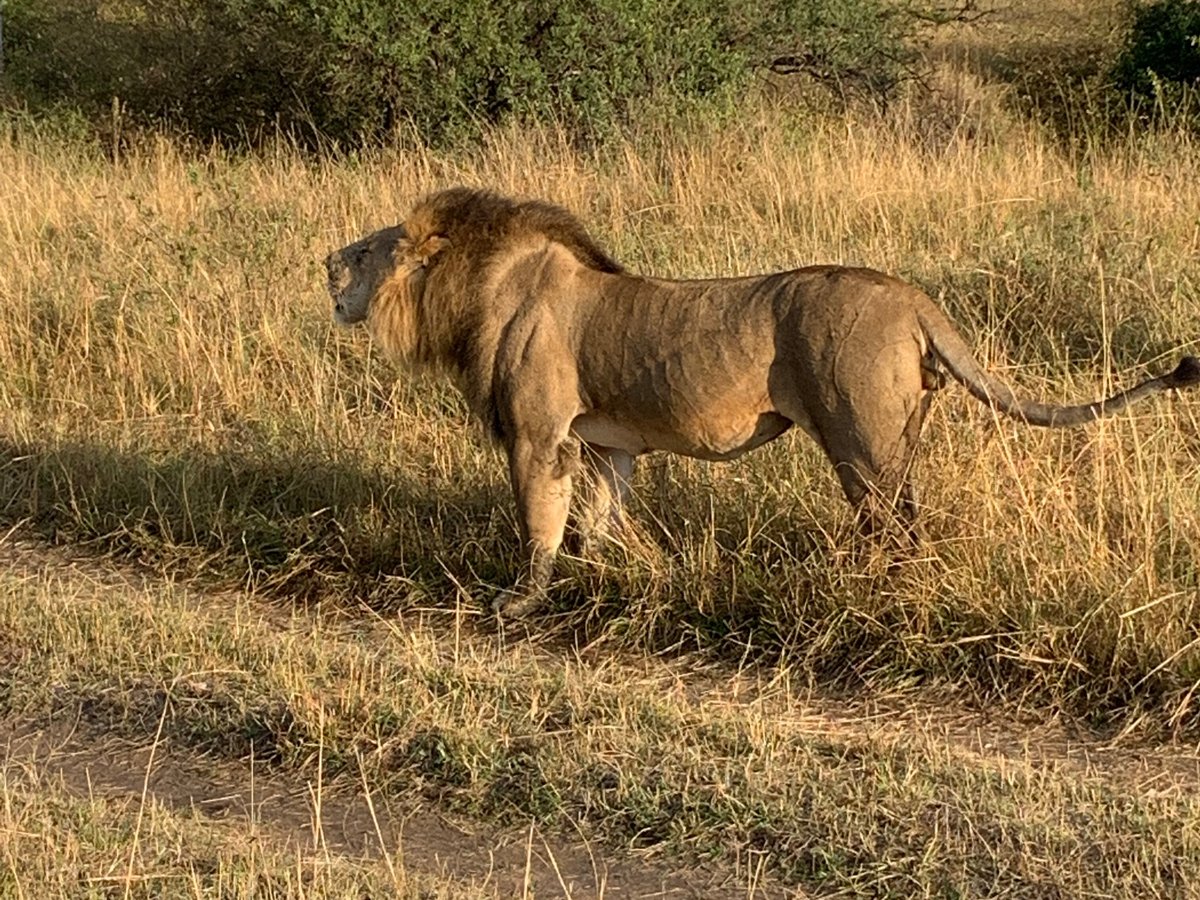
(186, 62)
(1160, 63)
(350, 69)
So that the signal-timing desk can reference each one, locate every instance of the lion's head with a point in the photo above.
(357, 271)
(419, 286)
(378, 279)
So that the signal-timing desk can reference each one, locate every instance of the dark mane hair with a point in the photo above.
(492, 220)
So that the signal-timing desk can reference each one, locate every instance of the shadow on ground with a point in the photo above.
(306, 528)
(301, 526)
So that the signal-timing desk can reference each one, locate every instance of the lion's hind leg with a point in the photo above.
(601, 517)
(883, 505)
(873, 456)
(874, 468)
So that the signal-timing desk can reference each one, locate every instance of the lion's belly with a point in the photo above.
(686, 379)
(710, 441)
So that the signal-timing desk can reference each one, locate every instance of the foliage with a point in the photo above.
(354, 68)
(1161, 58)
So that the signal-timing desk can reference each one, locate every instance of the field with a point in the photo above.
(240, 549)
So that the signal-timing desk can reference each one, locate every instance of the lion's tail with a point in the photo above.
(954, 353)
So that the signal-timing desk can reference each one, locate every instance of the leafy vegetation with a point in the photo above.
(1160, 62)
(349, 69)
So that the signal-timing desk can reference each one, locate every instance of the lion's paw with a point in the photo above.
(515, 603)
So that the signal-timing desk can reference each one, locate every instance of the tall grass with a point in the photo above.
(172, 389)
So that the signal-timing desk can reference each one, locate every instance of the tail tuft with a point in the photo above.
(1186, 374)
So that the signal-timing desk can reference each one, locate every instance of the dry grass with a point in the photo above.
(748, 769)
(59, 843)
(172, 389)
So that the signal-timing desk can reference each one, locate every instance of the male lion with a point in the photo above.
(557, 349)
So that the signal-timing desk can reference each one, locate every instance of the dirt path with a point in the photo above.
(344, 820)
(338, 820)
(341, 822)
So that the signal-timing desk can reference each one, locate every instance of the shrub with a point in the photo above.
(191, 63)
(356, 68)
(1160, 62)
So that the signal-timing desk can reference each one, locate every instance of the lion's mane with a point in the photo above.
(444, 316)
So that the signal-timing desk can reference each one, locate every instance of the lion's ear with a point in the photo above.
(430, 247)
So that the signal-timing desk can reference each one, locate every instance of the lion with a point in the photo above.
(577, 367)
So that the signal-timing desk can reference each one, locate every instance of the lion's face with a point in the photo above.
(358, 270)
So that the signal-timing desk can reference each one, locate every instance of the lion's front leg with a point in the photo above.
(542, 474)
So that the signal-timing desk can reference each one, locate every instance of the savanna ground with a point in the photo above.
(243, 648)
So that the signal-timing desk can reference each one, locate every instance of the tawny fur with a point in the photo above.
(446, 323)
(555, 346)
